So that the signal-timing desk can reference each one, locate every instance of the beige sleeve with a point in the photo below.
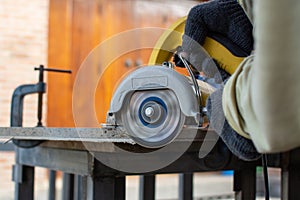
(262, 98)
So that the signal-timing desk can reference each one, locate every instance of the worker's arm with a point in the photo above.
(262, 98)
(228, 19)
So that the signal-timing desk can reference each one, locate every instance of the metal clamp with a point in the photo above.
(16, 117)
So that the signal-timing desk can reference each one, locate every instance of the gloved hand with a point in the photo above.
(217, 18)
(237, 144)
(227, 19)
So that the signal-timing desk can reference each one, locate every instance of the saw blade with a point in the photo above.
(153, 117)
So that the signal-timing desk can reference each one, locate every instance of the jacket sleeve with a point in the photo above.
(261, 100)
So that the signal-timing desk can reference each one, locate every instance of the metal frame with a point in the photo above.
(98, 181)
(106, 183)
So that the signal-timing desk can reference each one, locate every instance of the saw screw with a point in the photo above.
(168, 65)
(111, 120)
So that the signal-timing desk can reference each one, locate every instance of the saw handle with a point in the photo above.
(224, 52)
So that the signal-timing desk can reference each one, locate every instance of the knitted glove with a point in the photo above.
(222, 17)
(219, 19)
(237, 144)
(227, 19)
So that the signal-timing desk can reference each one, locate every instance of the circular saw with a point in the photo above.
(152, 104)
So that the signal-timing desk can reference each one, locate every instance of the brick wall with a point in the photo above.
(6, 185)
(23, 45)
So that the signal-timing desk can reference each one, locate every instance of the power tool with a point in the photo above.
(153, 103)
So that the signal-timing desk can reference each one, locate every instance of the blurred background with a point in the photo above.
(60, 34)
(23, 45)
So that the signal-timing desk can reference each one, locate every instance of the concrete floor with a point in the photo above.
(206, 186)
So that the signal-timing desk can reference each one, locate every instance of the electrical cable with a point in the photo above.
(197, 90)
(265, 173)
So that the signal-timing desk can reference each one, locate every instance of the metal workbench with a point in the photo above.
(77, 154)
(68, 154)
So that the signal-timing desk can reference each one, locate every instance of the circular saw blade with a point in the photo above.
(153, 118)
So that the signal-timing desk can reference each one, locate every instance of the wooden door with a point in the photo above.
(76, 27)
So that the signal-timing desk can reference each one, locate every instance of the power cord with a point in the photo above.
(266, 178)
(196, 86)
